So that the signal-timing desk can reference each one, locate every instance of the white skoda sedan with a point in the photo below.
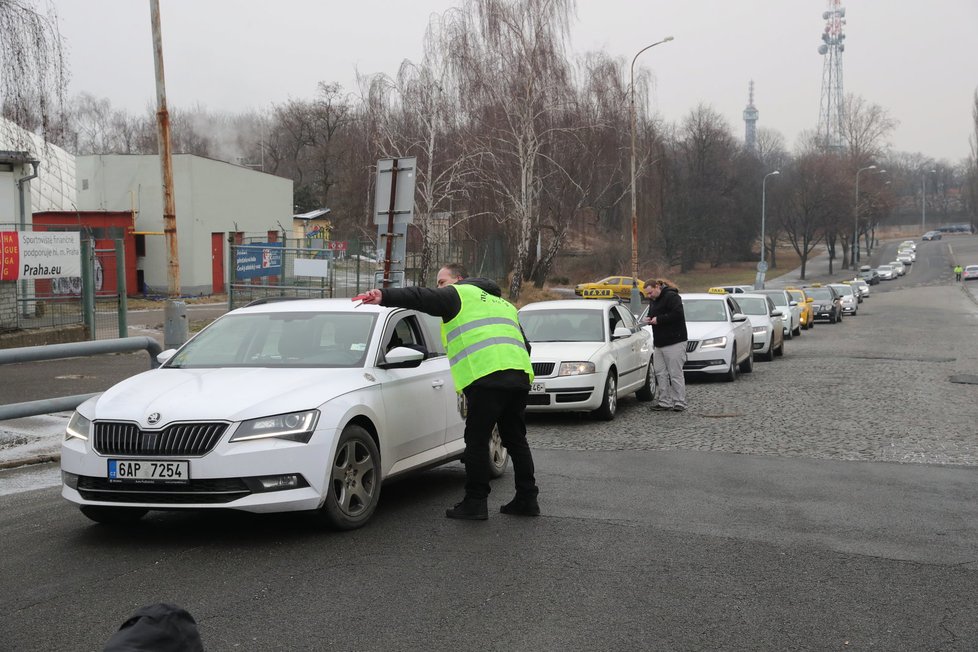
(720, 339)
(586, 355)
(282, 406)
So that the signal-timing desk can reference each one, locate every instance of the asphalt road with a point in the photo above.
(826, 501)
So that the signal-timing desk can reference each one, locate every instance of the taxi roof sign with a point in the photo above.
(717, 291)
(598, 293)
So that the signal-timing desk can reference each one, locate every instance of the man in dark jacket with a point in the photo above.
(490, 364)
(669, 341)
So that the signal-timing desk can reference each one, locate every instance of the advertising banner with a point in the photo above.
(26, 255)
(258, 259)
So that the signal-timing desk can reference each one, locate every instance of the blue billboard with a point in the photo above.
(258, 259)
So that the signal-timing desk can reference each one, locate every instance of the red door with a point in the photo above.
(217, 263)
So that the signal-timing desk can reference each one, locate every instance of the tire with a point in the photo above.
(647, 391)
(498, 455)
(798, 330)
(747, 366)
(769, 356)
(113, 515)
(609, 404)
(832, 319)
(779, 351)
(787, 333)
(731, 374)
(353, 485)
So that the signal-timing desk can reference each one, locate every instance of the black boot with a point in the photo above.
(522, 506)
(470, 509)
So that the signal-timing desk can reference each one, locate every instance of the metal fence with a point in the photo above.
(346, 272)
(91, 300)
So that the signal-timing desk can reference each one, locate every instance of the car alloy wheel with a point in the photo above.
(731, 374)
(609, 404)
(353, 486)
(498, 455)
(647, 392)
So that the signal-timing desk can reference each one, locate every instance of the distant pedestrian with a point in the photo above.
(668, 321)
(957, 272)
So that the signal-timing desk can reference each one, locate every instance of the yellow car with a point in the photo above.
(613, 286)
(807, 314)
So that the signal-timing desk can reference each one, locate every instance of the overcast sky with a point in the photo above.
(918, 60)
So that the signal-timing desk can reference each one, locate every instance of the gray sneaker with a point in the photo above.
(662, 408)
(678, 408)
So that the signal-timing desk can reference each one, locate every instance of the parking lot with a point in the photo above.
(825, 501)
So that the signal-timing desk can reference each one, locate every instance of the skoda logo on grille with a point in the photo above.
(153, 419)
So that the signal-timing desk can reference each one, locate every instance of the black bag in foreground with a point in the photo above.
(157, 627)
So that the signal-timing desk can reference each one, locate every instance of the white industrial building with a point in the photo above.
(213, 199)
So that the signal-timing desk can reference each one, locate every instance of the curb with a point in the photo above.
(29, 461)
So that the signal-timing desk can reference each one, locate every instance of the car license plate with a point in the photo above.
(538, 388)
(149, 471)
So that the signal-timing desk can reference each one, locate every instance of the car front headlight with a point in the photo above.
(575, 368)
(78, 427)
(714, 343)
(760, 329)
(295, 426)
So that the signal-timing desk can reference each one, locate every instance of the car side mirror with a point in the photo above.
(163, 356)
(401, 357)
(621, 332)
(792, 303)
(809, 300)
(777, 313)
(739, 316)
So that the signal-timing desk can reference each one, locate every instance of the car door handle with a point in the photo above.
(437, 384)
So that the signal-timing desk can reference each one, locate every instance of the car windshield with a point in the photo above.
(753, 305)
(778, 298)
(884, 268)
(280, 339)
(563, 325)
(844, 290)
(704, 310)
(796, 295)
(821, 294)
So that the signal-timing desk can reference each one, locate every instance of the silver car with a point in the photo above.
(886, 272)
(790, 311)
(765, 320)
(850, 300)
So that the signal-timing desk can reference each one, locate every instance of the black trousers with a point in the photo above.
(505, 408)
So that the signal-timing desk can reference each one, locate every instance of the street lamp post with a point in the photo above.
(923, 199)
(636, 298)
(762, 266)
(855, 223)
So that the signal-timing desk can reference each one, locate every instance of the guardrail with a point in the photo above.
(69, 350)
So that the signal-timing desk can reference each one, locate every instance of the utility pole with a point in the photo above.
(166, 163)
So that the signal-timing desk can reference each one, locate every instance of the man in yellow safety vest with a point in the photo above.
(490, 364)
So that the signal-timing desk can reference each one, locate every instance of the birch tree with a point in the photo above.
(513, 78)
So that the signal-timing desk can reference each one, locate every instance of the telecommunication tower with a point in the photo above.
(831, 108)
(750, 120)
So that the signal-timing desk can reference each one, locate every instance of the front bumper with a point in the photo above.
(566, 394)
(228, 477)
(710, 361)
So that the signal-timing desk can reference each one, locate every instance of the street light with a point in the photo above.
(923, 199)
(636, 297)
(762, 266)
(855, 224)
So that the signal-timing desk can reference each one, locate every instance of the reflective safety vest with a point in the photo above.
(484, 337)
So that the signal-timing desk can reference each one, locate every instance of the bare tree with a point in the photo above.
(815, 200)
(33, 76)
(512, 79)
(866, 129)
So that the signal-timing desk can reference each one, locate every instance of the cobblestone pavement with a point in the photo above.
(874, 387)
